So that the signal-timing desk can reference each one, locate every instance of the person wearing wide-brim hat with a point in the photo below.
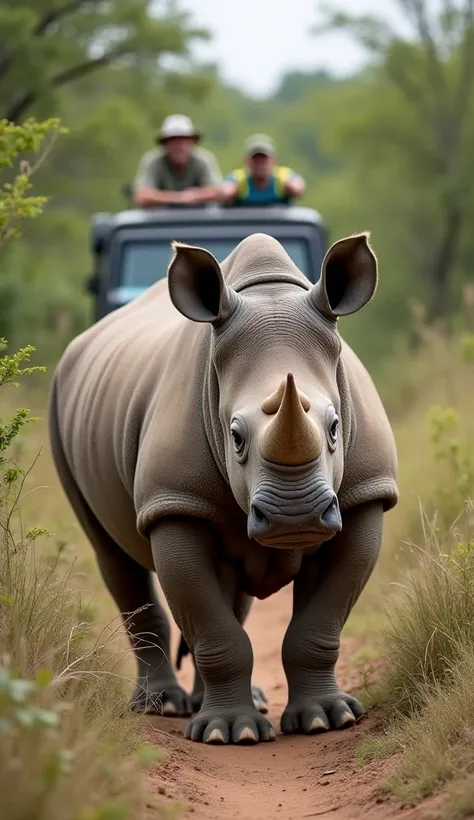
(261, 181)
(178, 171)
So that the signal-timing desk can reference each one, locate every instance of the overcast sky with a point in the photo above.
(256, 41)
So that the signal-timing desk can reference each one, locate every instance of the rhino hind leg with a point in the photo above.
(131, 586)
(157, 691)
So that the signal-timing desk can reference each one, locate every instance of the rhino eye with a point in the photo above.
(238, 433)
(333, 429)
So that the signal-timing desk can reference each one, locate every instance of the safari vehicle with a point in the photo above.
(131, 249)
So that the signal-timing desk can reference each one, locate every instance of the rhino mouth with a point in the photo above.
(299, 513)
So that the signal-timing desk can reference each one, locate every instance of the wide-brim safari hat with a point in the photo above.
(177, 125)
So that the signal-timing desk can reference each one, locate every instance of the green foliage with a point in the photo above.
(50, 45)
(455, 479)
(418, 125)
(116, 87)
(370, 154)
(10, 371)
(19, 711)
(16, 140)
(23, 149)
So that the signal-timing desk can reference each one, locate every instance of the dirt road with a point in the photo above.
(294, 777)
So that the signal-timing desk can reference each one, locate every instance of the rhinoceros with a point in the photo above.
(217, 431)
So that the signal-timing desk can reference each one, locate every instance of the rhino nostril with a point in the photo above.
(258, 523)
(331, 517)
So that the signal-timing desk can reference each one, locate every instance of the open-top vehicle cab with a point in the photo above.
(131, 249)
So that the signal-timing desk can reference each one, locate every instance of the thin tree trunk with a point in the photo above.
(445, 260)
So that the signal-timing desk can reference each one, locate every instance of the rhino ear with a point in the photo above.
(348, 277)
(196, 285)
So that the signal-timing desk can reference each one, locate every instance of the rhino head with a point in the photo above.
(274, 356)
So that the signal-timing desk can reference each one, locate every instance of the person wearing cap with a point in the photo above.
(178, 172)
(261, 181)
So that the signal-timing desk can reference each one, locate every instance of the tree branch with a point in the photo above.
(441, 123)
(5, 63)
(466, 77)
(412, 92)
(54, 15)
(77, 72)
(426, 37)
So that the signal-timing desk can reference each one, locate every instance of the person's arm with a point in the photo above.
(209, 181)
(198, 196)
(229, 190)
(145, 192)
(146, 197)
(295, 184)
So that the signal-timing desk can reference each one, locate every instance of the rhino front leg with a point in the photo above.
(199, 595)
(325, 591)
(241, 610)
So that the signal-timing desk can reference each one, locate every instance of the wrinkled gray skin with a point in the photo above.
(232, 454)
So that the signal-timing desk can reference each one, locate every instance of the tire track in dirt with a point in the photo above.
(288, 778)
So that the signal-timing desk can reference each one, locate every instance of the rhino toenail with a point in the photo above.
(318, 725)
(347, 717)
(247, 734)
(169, 708)
(216, 736)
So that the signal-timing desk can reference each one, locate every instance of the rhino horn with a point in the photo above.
(291, 438)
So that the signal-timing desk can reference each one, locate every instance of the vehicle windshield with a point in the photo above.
(144, 262)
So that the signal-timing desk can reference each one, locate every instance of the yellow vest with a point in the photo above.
(280, 175)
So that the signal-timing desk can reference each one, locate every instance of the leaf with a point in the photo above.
(47, 719)
(43, 677)
(25, 717)
(19, 690)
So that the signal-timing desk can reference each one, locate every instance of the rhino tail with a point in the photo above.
(183, 650)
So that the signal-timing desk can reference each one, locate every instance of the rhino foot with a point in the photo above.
(221, 726)
(259, 700)
(337, 711)
(158, 698)
(258, 696)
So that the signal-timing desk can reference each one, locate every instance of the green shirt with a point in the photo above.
(156, 171)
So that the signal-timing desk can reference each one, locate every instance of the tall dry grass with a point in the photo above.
(69, 747)
(427, 577)
(428, 392)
